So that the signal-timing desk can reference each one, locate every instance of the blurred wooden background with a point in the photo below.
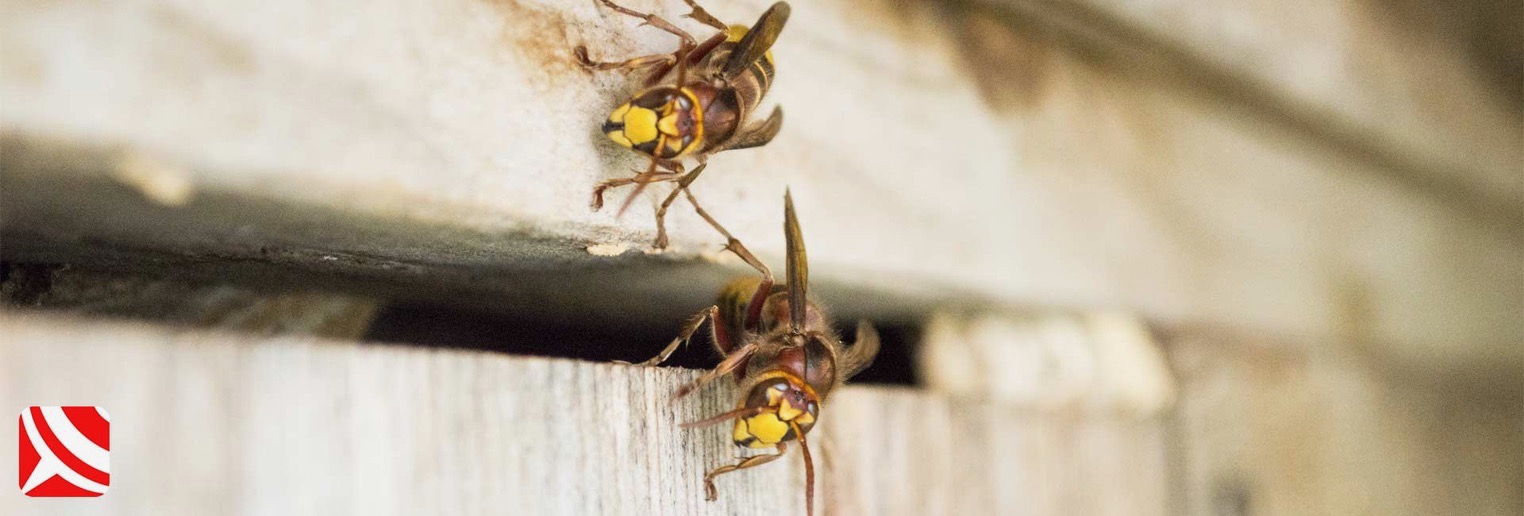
(1174, 257)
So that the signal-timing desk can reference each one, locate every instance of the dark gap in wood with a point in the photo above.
(440, 325)
(280, 301)
(518, 333)
(24, 283)
(895, 364)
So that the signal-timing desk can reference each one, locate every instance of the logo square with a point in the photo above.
(65, 451)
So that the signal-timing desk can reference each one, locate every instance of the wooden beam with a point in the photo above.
(1370, 78)
(1265, 428)
(937, 155)
(208, 422)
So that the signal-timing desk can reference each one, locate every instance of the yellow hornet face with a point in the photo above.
(664, 122)
(786, 405)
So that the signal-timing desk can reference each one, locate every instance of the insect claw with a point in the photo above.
(649, 363)
(586, 62)
(656, 360)
(597, 202)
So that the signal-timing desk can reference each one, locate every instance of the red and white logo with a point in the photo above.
(65, 451)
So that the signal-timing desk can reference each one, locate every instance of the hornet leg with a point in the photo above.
(749, 462)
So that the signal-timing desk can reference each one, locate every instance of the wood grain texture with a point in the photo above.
(210, 423)
(907, 453)
(933, 151)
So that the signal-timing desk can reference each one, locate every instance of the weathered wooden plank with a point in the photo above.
(1266, 428)
(1104, 361)
(909, 453)
(1387, 78)
(212, 423)
(934, 152)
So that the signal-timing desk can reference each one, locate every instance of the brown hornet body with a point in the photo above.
(784, 355)
(701, 116)
(698, 101)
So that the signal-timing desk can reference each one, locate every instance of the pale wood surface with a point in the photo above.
(212, 423)
(938, 153)
(934, 152)
(1270, 428)
(1404, 80)
(1097, 360)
